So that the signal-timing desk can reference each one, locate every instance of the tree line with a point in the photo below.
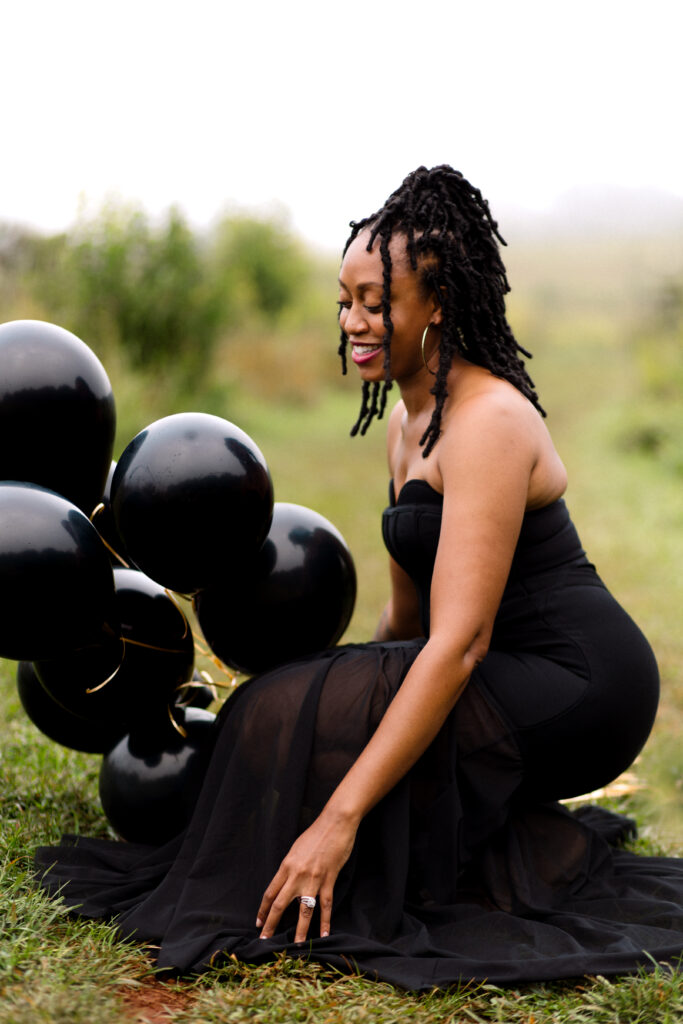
(155, 289)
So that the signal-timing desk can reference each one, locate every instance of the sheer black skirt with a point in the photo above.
(466, 870)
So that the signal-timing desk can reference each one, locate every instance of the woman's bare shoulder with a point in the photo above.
(482, 401)
(491, 419)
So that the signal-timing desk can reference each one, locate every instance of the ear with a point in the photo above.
(437, 314)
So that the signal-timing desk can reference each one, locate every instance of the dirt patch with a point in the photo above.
(155, 1002)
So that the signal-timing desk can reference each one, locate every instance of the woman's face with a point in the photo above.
(360, 310)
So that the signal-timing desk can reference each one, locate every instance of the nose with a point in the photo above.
(354, 321)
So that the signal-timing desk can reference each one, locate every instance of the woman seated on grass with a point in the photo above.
(392, 806)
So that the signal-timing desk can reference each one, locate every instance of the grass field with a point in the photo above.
(627, 506)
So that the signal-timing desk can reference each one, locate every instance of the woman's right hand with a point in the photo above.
(310, 869)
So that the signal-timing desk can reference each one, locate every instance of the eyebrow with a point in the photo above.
(363, 285)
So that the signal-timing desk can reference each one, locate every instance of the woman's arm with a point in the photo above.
(486, 459)
(400, 619)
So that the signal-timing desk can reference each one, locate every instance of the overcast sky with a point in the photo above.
(325, 107)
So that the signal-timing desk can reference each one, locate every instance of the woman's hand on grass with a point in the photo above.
(310, 869)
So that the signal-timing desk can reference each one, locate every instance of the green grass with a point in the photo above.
(626, 502)
(52, 968)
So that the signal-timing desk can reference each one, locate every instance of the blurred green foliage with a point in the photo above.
(143, 288)
(659, 342)
(654, 424)
(261, 267)
(158, 293)
(185, 318)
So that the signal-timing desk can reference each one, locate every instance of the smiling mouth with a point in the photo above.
(364, 353)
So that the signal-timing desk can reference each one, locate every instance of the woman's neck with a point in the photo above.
(416, 394)
(416, 391)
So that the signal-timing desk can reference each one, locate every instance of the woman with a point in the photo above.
(395, 799)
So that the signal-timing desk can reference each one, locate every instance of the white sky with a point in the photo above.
(325, 107)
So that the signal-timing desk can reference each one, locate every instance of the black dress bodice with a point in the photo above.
(548, 543)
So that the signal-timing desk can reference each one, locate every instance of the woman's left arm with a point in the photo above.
(486, 469)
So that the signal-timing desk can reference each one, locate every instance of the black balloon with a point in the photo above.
(155, 658)
(149, 788)
(191, 494)
(56, 583)
(296, 597)
(158, 641)
(60, 725)
(57, 415)
(80, 681)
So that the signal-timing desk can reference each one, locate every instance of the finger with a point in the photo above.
(325, 912)
(304, 922)
(277, 908)
(269, 897)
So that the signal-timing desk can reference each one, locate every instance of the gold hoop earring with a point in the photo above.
(424, 360)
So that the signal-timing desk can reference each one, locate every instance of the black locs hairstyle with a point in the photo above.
(452, 238)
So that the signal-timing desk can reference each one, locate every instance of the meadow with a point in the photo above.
(608, 349)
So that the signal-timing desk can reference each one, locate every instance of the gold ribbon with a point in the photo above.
(152, 647)
(176, 725)
(99, 508)
(94, 689)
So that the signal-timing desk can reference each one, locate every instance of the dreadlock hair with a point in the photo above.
(452, 240)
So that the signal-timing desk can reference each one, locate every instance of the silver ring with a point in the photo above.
(308, 901)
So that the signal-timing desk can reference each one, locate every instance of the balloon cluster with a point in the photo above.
(93, 554)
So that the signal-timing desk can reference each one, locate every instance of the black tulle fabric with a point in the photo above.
(469, 868)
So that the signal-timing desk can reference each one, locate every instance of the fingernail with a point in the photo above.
(263, 936)
(323, 935)
(259, 922)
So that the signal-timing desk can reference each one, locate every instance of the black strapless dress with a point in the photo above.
(469, 868)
